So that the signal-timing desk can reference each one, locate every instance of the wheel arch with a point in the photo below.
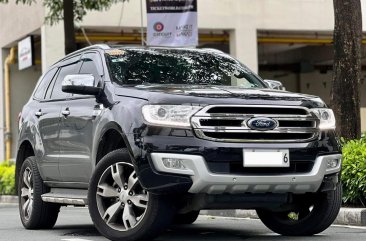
(25, 150)
(111, 131)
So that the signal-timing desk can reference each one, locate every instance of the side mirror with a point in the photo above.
(82, 84)
(274, 84)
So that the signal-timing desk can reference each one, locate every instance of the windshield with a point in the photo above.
(173, 66)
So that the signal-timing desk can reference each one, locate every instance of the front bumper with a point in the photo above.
(207, 182)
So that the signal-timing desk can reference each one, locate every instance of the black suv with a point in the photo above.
(147, 137)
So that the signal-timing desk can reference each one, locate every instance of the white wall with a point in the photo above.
(318, 84)
(288, 79)
(21, 87)
(363, 102)
(294, 14)
(229, 14)
(52, 44)
(17, 21)
(313, 83)
(2, 125)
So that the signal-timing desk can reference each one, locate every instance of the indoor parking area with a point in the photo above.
(303, 62)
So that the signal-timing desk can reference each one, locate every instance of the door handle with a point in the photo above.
(38, 113)
(65, 112)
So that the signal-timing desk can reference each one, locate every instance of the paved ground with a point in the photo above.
(74, 224)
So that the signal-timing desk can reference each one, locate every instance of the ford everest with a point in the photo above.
(146, 137)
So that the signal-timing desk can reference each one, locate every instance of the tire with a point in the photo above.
(307, 221)
(113, 185)
(186, 218)
(34, 213)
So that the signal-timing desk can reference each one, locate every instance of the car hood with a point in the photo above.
(204, 94)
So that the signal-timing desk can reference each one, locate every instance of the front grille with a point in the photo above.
(230, 124)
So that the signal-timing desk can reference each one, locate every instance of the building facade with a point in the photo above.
(287, 40)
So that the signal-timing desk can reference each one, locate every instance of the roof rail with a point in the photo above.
(95, 46)
(213, 50)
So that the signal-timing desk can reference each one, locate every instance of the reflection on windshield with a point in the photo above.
(168, 66)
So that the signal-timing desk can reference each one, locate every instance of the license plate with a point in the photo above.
(266, 158)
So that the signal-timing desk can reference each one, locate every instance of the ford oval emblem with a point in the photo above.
(262, 124)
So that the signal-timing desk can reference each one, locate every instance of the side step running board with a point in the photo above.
(77, 197)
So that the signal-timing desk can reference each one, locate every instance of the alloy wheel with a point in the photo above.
(27, 193)
(121, 200)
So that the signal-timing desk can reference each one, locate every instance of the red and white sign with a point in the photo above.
(25, 53)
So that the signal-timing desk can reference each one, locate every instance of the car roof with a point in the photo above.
(105, 47)
(129, 47)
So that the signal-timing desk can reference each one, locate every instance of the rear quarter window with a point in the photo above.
(44, 83)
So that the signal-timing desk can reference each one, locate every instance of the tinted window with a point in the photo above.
(50, 86)
(169, 66)
(57, 92)
(45, 82)
(88, 66)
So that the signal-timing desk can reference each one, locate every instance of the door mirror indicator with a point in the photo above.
(83, 84)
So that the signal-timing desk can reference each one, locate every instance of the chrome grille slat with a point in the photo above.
(241, 117)
(251, 115)
(226, 127)
(279, 130)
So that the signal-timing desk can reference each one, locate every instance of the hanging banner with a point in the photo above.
(172, 23)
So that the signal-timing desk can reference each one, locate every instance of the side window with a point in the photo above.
(50, 86)
(89, 67)
(57, 92)
(44, 83)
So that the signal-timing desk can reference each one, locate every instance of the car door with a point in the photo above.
(51, 112)
(48, 120)
(77, 127)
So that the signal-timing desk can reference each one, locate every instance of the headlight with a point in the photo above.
(169, 115)
(326, 116)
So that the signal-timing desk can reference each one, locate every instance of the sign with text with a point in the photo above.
(25, 53)
(172, 23)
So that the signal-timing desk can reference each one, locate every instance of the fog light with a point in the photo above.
(332, 163)
(174, 163)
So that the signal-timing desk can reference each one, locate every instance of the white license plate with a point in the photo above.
(266, 158)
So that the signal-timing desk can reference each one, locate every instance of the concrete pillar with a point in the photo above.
(243, 46)
(53, 44)
(363, 119)
(2, 124)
